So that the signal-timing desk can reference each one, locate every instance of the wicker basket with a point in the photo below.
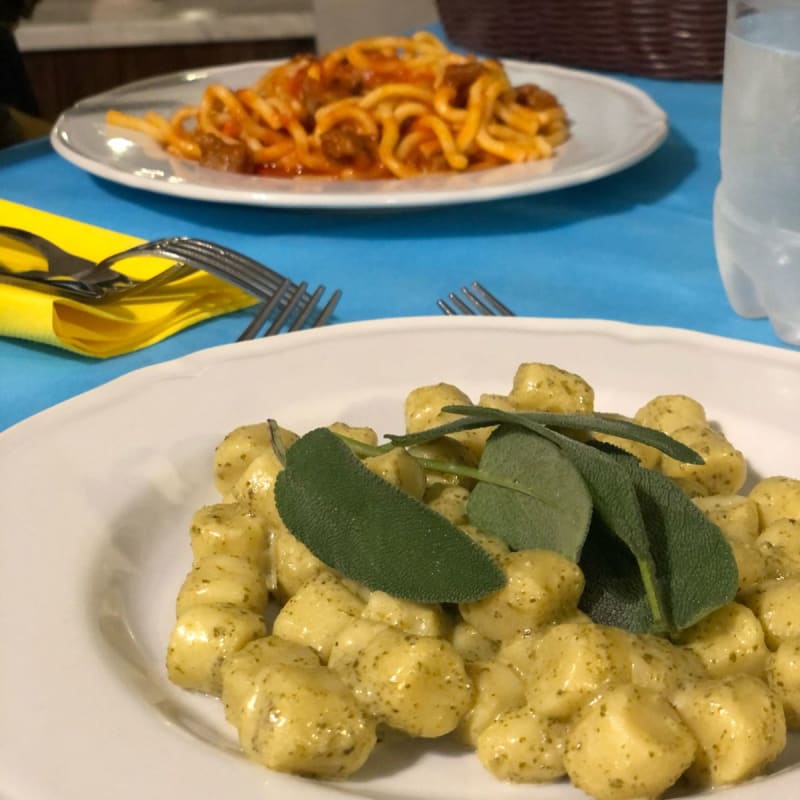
(659, 38)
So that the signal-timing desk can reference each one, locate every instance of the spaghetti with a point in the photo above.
(377, 108)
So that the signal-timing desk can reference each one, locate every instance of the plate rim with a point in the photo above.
(621, 329)
(650, 138)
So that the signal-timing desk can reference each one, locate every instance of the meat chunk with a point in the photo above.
(228, 156)
(461, 77)
(346, 145)
(534, 97)
(345, 81)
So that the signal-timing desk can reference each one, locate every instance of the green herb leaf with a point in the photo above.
(549, 506)
(614, 593)
(696, 566)
(276, 441)
(372, 532)
(480, 417)
(617, 504)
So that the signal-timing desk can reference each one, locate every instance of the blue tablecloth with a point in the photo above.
(636, 247)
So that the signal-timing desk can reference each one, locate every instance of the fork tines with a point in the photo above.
(235, 267)
(286, 305)
(481, 299)
(291, 300)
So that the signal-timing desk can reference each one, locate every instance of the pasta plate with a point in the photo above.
(613, 125)
(98, 491)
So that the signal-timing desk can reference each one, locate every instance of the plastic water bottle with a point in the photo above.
(757, 204)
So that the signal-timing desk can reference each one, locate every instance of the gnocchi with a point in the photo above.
(523, 747)
(316, 613)
(202, 638)
(540, 586)
(738, 725)
(628, 742)
(497, 688)
(522, 677)
(239, 671)
(303, 719)
(223, 579)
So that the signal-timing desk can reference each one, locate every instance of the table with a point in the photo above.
(634, 247)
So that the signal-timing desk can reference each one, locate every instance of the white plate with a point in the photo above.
(97, 494)
(614, 125)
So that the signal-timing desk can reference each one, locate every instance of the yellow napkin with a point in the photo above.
(115, 327)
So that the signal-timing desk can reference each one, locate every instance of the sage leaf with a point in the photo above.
(614, 593)
(370, 531)
(481, 417)
(617, 504)
(696, 566)
(276, 441)
(549, 506)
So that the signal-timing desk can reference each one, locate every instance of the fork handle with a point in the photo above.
(64, 287)
(59, 261)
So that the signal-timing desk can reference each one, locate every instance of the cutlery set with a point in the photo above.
(285, 305)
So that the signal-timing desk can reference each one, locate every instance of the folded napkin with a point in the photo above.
(116, 326)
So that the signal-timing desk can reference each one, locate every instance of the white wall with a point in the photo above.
(107, 23)
(61, 11)
(80, 24)
(340, 21)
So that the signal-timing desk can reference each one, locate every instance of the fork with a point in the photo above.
(88, 292)
(292, 299)
(481, 299)
(231, 265)
(100, 282)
